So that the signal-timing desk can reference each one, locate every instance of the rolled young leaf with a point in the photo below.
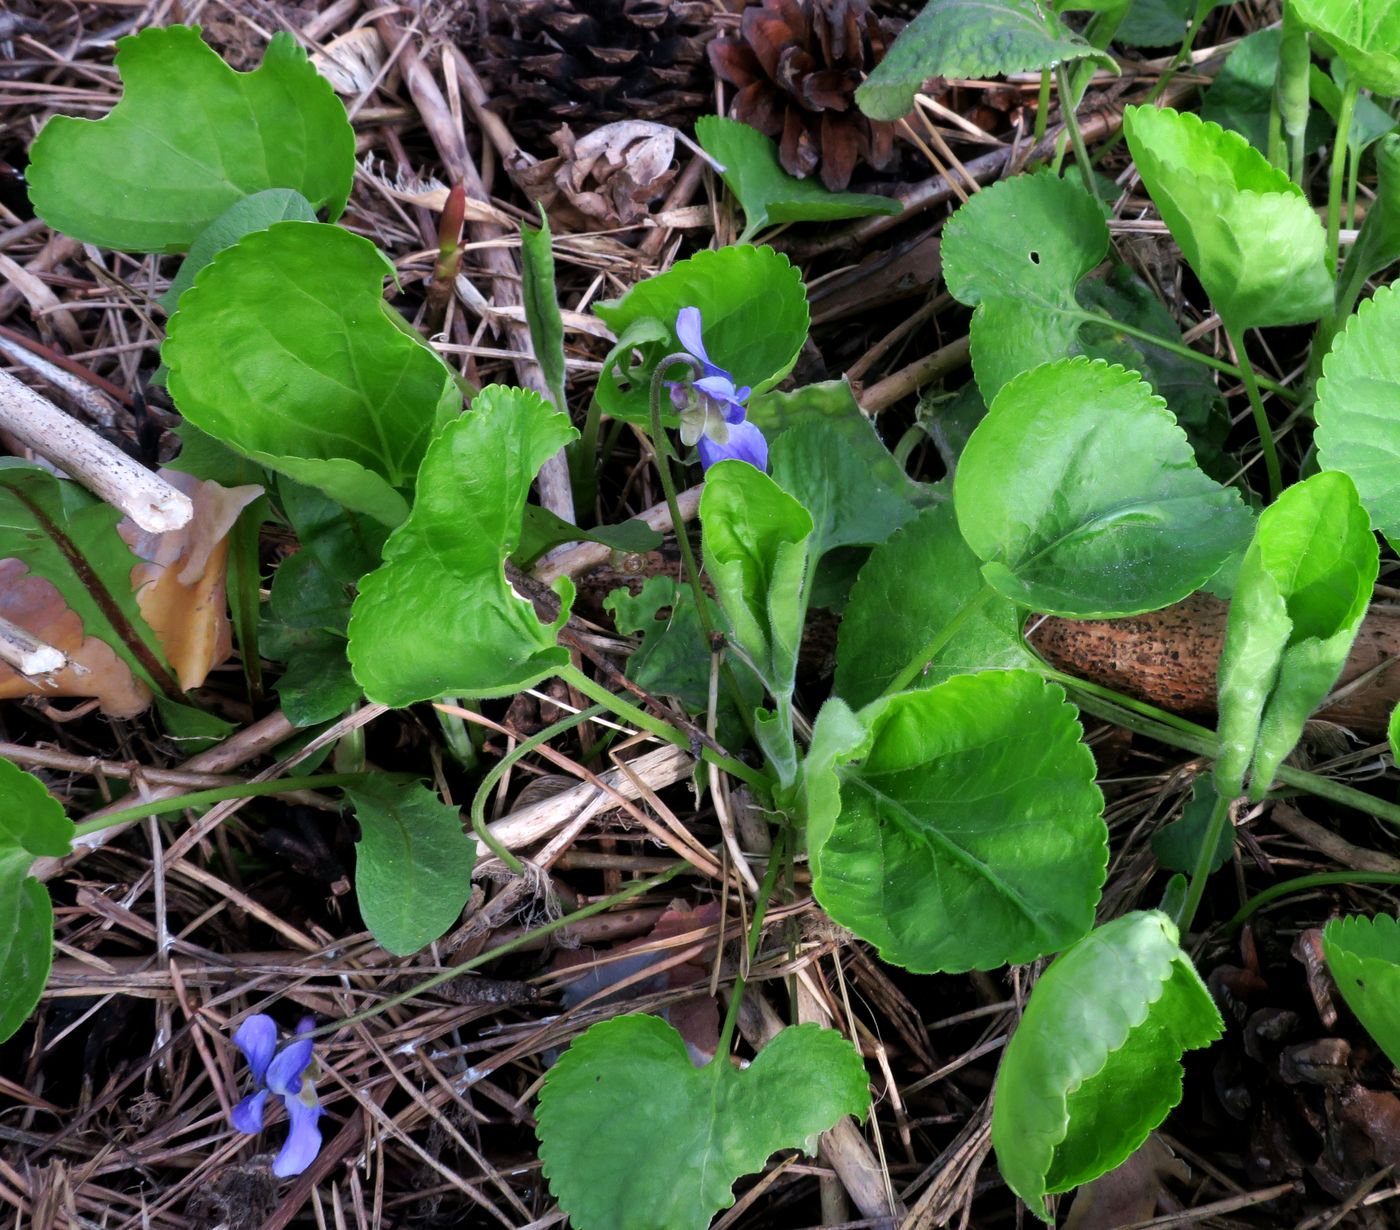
(284, 350)
(1082, 497)
(1301, 595)
(1365, 33)
(189, 138)
(438, 617)
(1364, 957)
(542, 306)
(942, 832)
(1249, 233)
(1094, 1064)
(631, 1078)
(755, 542)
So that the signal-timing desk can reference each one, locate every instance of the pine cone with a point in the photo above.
(591, 62)
(797, 66)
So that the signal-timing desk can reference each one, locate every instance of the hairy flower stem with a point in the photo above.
(1261, 418)
(1339, 155)
(502, 767)
(635, 889)
(1185, 352)
(1200, 873)
(1300, 884)
(1070, 114)
(219, 794)
(760, 911)
(662, 729)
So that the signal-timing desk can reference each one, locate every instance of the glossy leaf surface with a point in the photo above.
(754, 312)
(957, 828)
(967, 38)
(912, 586)
(1358, 408)
(1364, 957)
(188, 139)
(767, 194)
(1301, 595)
(1017, 251)
(755, 540)
(413, 863)
(285, 351)
(1082, 497)
(1094, 1064)
(1248, 232)
(438, 617)
(704, 1127)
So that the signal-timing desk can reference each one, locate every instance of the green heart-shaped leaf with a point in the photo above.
(1358, 408)
(944, 834)
(1365, 33)
(31, 823)
(1081, 495)
(753, 308)
(413, 863)
(1017, 251)
(1094, 1064)
(437, 617)
(1248, 231)
(284, 350)
(1364, 957)
(188, 139)
(968, 38)
(630, 1079)
(768, 194)
(910, 587)
(1301, 595)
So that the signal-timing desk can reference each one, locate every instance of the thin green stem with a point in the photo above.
(1185, 352)
(1151, 712)
(1069, 112)
(1301, 884)
(1042, 109)
(584, 462)
(922, 660)
(635, 889)
(1219, 817)
(1202, 742)
(1261, 417)
(1339, 158)
(661, 728)
(502, 767)
(760, 911)
(662, 445)
(218, 794)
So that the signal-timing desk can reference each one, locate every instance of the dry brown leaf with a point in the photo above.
(1128, 1194)
(180, 590)
(352, 62)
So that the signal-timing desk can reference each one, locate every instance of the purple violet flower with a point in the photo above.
(289, 1073)
(712, 410)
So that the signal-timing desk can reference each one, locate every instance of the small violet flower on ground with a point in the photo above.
(285, 1073)
(712, 410)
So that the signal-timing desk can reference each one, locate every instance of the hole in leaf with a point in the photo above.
(1035, 258)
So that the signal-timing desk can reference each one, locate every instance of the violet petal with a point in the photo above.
(284, 1072)
(247, 1116)
(303, 1138)
(257, 1039)
(688, 326)
(745, 443)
